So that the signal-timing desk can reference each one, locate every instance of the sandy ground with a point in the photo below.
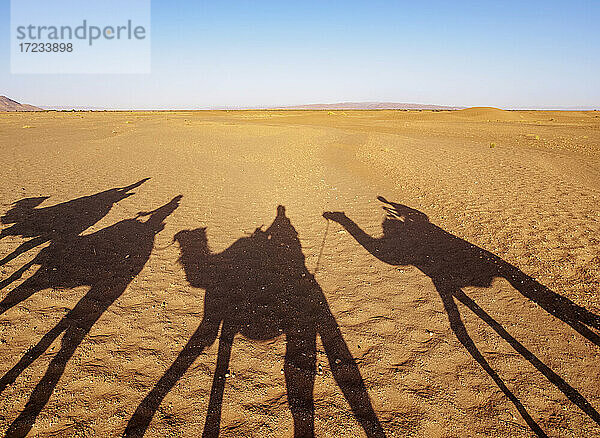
(472, 312)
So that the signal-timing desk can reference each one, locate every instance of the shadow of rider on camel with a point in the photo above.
(261, 288)
(409, 238)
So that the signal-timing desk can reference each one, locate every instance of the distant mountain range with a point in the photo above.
(371, 106)
(7, 104)
(316, 106)
(80, 108)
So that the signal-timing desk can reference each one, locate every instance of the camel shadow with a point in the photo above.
(260, 287)
(452, 264)
(60, 221)
(106, 261)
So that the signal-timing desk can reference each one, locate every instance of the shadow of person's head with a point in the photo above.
(260, 287)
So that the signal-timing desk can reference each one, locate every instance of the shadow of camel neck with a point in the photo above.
(261, 288)
(106, 261)
(452, 264)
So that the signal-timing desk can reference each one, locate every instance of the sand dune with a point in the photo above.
(488, 113)
(372, 106)
(385, 273)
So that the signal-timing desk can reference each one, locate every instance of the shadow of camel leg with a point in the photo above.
(16, 275)
(446, 293)
(299, 368)
(32, 354)
(347, 375)
(26, 289)
(579, 318)
(571, 393)
(24, 247)
(203, 337)
(215, 403)
(43, 390)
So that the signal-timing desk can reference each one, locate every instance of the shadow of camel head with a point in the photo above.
(261, 288)
(402, 212)
(452, 264)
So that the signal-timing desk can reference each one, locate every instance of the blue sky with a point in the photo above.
(509, 54)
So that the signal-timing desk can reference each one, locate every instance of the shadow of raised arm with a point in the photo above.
(409, 238)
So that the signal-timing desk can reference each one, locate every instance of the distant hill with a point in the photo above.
(372, 106)
(7, 104)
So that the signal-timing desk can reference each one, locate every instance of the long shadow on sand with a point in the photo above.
(452, 264)
(260, 287)
(107, 261)
(58, 222)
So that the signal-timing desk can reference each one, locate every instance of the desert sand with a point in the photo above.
(436, 273)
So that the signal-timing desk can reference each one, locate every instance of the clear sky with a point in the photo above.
(508, 54)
